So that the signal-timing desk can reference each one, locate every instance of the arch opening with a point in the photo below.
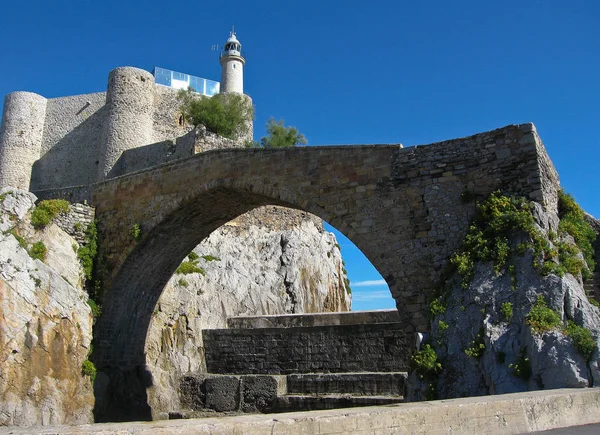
(136, 289)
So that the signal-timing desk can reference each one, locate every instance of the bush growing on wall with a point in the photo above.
(228, 115)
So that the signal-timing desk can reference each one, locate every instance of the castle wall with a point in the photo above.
(74, 130)
(130, 101)
(50, 146)
(20, 137)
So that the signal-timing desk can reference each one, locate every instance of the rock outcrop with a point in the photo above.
(45, 323)
(271, 260)
(488, 341)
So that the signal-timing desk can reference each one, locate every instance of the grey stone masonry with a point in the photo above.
(314, 319)
(404, 208)
(76, 221)
(318, 349)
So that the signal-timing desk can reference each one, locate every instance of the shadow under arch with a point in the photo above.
(128, 305)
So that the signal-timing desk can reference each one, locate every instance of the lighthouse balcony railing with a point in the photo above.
(241, 54)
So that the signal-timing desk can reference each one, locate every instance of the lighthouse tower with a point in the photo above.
(232, 66)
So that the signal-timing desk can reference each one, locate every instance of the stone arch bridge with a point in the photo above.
(403, 207)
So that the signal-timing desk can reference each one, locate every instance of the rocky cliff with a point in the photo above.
(269, 261)
(513, 314)
(45, 322)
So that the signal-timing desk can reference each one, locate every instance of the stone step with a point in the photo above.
(357, 383)
(304, 402)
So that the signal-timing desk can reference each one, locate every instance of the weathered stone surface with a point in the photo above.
(45, 328)
(269, 261)
(473, 316)
(222, 393)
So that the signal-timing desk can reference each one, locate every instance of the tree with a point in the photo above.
(280, 136)
(228, 115)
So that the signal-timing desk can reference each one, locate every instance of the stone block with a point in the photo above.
(223, 393)
(258, 393)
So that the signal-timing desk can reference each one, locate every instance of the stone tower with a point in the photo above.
(232, 66)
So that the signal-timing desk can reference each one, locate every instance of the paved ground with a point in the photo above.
(588, 429)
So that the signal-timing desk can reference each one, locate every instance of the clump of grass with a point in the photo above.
(96, 308)
(425, 362)
(437, 307)
(522, 366)
(210, 258)
(506, 309)
(47, 210)
(87, 253)
(572, 222)
(136, 232)
(188, 267)
(477, 346)
(582, 339)
(89, 369)
(38, 251)
(541, 318)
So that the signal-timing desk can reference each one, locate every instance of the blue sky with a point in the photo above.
(346, 72)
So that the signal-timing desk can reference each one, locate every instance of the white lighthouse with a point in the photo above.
(232, 66)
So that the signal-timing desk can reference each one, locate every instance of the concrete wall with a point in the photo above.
(493, 415)
(317, 349)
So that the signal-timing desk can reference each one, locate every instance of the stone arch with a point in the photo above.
(139, 282)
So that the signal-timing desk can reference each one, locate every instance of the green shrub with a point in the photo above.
(425, 362)
(594, 302)
(541, 318)
(582, 339)
(437, 307)
(192, 256)
(443, 325)
(210, 258)
(477, 346)
(182, 282)
(87, 253)
(572, 222)
(89, 369)
(279, 136)
(47, 210)
(38, 251)
(522, 366)
(487, 237)
(188, 267)
(136, 232)
(228, 115)
(96, 308)
(507, 310)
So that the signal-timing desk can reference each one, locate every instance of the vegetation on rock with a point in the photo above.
(190, 265)
(47, 210)
(38, 251)
(88, 369)
(582, 339)
(572, 222)
(136, 232)
(541, 318)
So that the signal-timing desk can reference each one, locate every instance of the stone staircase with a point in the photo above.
(301, 362)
